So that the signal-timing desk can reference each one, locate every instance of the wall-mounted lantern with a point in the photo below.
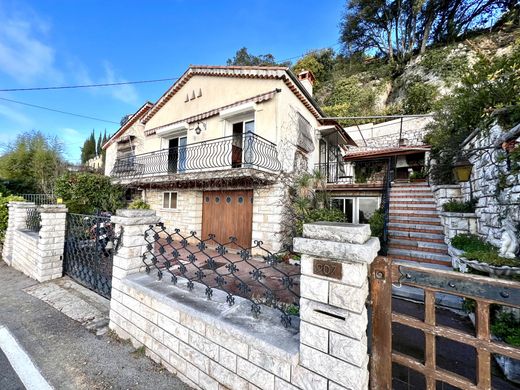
(462, 170)
(200, 126)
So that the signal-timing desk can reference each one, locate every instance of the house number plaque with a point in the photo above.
(327, 268)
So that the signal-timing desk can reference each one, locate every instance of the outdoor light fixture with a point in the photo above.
(199, 128)
(462, 170)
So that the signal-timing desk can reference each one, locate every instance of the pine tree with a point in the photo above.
(99, 145)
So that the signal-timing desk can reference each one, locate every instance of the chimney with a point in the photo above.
(307, 79)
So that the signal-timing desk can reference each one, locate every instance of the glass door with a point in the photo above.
(249, 146)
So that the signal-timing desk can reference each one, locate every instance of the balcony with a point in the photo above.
(233, 157)
(355, 174)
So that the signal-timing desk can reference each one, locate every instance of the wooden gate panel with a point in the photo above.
(228, 213)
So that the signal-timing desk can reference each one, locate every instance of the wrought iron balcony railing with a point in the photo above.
(247, 150)
(355, 172)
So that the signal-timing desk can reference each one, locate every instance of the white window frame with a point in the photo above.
(170, 200)
(355, 204)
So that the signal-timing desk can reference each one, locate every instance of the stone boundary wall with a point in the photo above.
(493, 184)
(38, 255)
(210, 345)
(458, 223)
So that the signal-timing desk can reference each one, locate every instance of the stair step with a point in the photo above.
(419, 236)
(427, 257)
(413, 213)
(411, 199)
(417, 249)
(415, 260)
(419, 190)
(410, 244)
(410, 227)
(408, 184)
(425, 220)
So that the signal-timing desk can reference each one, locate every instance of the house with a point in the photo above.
(217, 151)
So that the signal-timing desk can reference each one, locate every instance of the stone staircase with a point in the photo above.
(415, 232)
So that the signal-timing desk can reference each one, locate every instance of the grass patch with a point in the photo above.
(139, 352)
(454, 206)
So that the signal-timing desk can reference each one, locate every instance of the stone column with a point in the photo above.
(16, 221)
(51, 241)
(334, 290)
(129, 257)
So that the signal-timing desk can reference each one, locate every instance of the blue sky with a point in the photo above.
(51, 42)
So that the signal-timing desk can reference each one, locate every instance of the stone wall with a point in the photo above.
(494, 185)
(268, 214)
(39, 255)
(188, 215)
(211, 345)
(444, 193)
(458, 223)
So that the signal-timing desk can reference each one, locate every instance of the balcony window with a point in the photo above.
(356, 209)
(169, 200)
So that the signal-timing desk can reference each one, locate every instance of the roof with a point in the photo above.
(138, 114)
(385, 152)
(260, 72)
(195, 118)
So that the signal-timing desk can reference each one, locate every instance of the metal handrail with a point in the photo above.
(389, 177)
(248, 150)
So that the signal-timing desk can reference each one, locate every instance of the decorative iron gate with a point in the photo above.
(89, 244)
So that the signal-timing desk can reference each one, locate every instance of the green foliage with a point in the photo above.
(317, 215)
(491, 257)
(377, 223)
(4, 212)
(139, 204)
(319, 62)
(244, 58)
(489, 92)
(85, 192)
(420, 98)
(470, 242)
(31, 163)
(419, 175)
(507, 328)
(293, 310)
(454, 206)
(444, 64)
(351, 97)
(89, 149)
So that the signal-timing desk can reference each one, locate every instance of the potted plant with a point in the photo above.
(417, 176)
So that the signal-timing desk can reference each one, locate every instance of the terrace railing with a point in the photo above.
(247, 150)
(253, 273)
(356, 172)
(40, 199)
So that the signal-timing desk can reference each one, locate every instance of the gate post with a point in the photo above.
(16, 221)
(129, 257)
(334, 292)
(51, 241)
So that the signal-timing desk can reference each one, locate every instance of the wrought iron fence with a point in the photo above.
(33, 221)
(247, 150)
(40, 199)
(354, 172)
(262, 277)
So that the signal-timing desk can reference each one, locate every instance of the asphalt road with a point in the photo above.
(68, 355)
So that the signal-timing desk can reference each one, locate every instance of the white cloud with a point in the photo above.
(23, 54)
(15, 116)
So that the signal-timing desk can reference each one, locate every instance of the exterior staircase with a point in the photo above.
(415, 232)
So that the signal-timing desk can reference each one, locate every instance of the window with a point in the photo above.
(305, 134)
(356, 209)
(170, 200)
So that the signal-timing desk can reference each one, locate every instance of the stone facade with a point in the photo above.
(38, 255)
(187, 216)
(210, 345)
(494, 185)
(445, 192)
(458, 223)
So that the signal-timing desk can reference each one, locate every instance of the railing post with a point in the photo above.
(334, 291)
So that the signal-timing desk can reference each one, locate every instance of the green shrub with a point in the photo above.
(419, 175)
(4, 211)
(377, 223)
(506, 327)
(491, 257)
(420, 98)
(86, 192)
(317, 215)
(139, 204)
(454, 206)
(470, 242)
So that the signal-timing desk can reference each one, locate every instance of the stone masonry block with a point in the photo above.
(313, 288)
(227, 359)
(352, 351)
(338, 232)
(338, 320)
(193, 356)
(336, 370)
(353, 274)
(203, 345)
(273, 364)
(347, 297)
(314, 336)
(255, 374)
(307, 380)
(226, 377)
(339, 251)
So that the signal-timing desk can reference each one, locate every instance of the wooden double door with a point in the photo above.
(228, 213)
